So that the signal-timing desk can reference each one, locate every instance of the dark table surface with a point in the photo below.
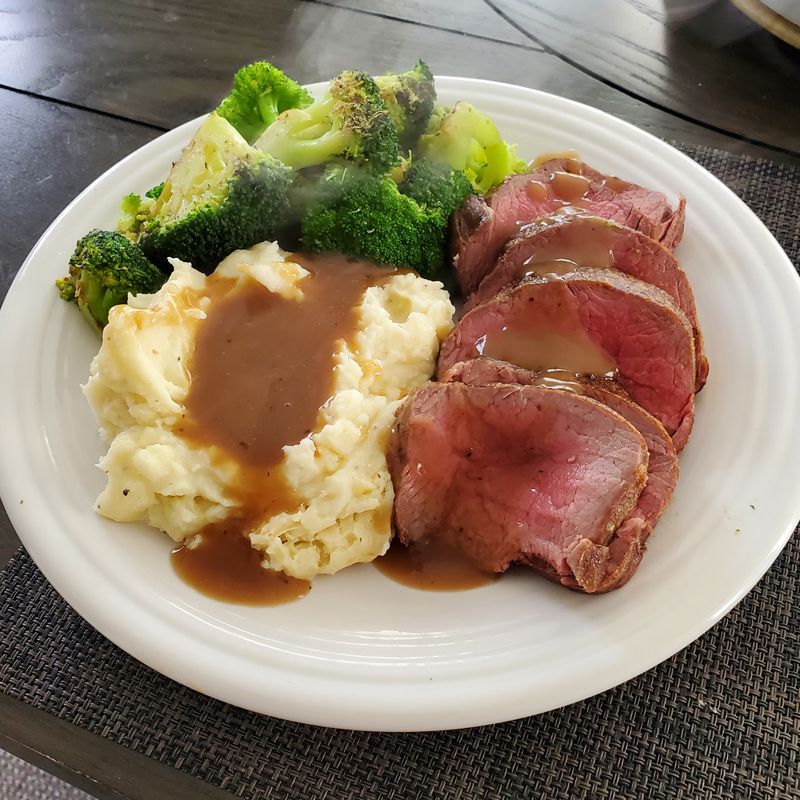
(84, 84)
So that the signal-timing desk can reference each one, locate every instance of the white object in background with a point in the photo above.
(788, 9)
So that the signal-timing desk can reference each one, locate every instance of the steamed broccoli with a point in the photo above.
(103, 270)
(409, 97)
(436, 185)
(221, 195)
(468, 140)
(155, 192)
(260, 93)
(135, 210)
(364, 215)
(350, 121)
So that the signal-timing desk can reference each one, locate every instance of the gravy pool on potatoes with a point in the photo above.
(263, 366)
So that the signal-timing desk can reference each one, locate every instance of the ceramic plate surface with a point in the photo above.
(362, 651)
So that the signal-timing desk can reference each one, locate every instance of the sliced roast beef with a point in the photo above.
(590, 321)
(482, 226)
(520, 474)
(662, 466)
(559, 243)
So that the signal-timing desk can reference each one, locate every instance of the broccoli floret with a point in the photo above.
(409, 97)
(468, 140)
(129, 222)
(436, 185)
(260, 93)
(221, 195)
(155, 192)
(135, 210)
(106, 267)
(350, 121)
(364, 215)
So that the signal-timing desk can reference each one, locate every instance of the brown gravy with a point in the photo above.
(583, 243)
(261, 370)
(537, 191)
(543, 158)
(432, 566)
(263, 364)
(568, 187)
(548, 339)
(567, 351)
(224, 566)
(547, 269)
(559, 379)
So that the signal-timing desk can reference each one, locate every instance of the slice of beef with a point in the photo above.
(559, 242)
(591, 321)
(482, 226)
(517, 474)
(662, 466)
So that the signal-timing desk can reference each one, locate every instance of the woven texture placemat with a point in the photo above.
(717, 721)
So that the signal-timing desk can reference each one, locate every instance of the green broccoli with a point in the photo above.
(135, 210)
(365, 215)
(155, 192)
(106, 267)
(130, 222)
(350, 121)
(468, 140)
(260, 93)
(221, 195)
(436, 185)
(409, 97)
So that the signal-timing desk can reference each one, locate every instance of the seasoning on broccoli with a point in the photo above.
(409, 97)
(221, 195)
(259, 94)
(364, 215)
(436, 185)
(350, 121)
(468, 140)
(105, 267)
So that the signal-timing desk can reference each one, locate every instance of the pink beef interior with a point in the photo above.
(573, 237)
(482, 227)
(513, 473)
(637, 325)
(662, 465)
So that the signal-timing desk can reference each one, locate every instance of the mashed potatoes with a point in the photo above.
(140, 379)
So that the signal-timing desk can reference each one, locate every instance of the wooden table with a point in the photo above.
(82, 85)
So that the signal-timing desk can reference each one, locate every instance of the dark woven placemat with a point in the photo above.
(719, 720)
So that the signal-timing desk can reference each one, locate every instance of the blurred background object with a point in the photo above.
(780, 17)
(702, 59)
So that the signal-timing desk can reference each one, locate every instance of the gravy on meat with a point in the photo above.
(567, 348)
(568, 247)
(567, 187)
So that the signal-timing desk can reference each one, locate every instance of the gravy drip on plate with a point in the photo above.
(432, 565)
(262, 369)
(223, 565)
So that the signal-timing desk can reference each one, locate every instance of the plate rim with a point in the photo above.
(24, 516)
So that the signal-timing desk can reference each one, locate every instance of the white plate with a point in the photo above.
(361, 651)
